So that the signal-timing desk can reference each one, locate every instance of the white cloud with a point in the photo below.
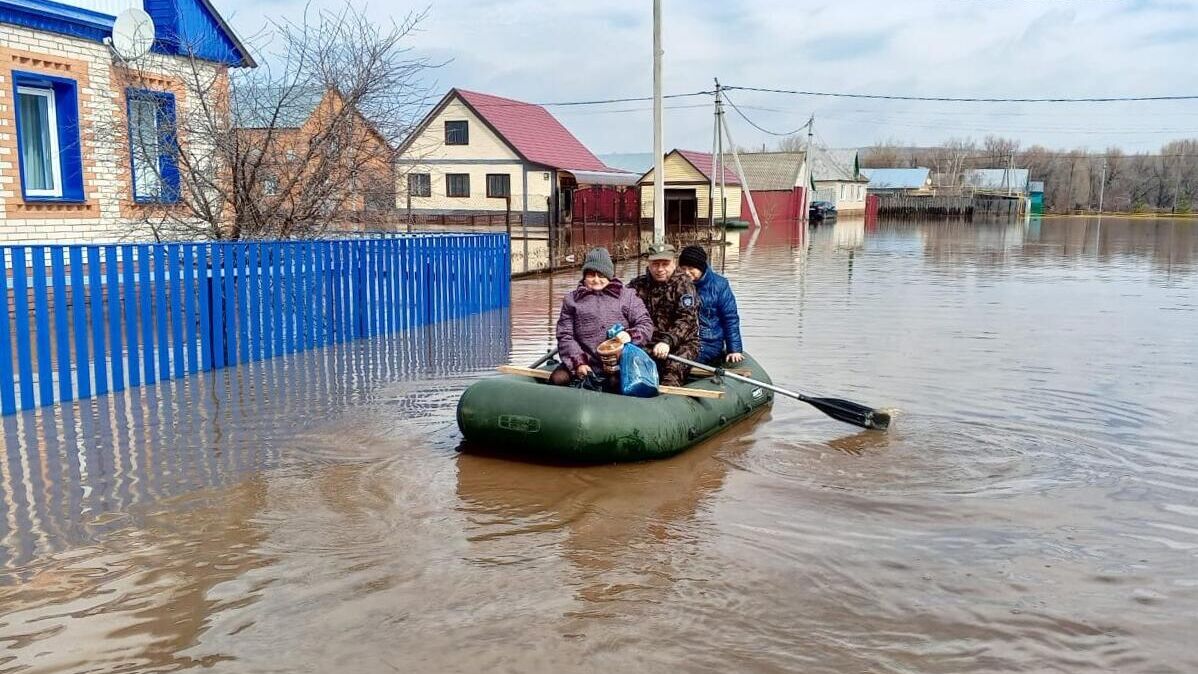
(587, 49)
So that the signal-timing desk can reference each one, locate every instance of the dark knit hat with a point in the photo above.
(694, 256)
(598, 259)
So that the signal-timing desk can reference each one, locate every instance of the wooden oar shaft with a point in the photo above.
(732, 375)
(668, 390)
(524, 371)
(544, 359)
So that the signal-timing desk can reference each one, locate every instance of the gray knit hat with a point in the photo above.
(598, 259)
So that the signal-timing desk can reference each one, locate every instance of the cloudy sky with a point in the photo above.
(571, 50)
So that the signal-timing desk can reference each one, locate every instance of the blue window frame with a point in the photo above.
(48, 151)
(153, 152)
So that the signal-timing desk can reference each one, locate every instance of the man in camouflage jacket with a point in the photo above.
(673, 304)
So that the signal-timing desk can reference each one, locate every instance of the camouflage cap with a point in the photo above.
(662, 251)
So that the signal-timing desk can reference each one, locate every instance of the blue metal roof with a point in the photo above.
(896, 178)
(54, 17)
(997, 179)
(194, 27)
(180, 26)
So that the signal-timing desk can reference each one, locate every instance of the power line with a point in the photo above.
(1000, 129)
(952, 99)
(688, 106)
(1053, 155)
(601, 101)
(958, 112)
(759, 128)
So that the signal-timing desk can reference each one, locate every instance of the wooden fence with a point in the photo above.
(905, 206)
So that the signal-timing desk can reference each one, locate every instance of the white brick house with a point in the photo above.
(70, 110)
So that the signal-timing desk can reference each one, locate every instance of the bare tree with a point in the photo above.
(887, 154)
(998, 151)
(949, 160)
(301, 145)
(794, 143)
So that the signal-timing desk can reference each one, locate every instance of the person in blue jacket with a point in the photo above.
(719, 323)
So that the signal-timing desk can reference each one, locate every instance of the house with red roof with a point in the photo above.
(690, 201)
(477, 154)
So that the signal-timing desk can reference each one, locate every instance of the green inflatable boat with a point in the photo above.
(521, 415)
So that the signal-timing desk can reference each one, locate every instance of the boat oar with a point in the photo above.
(544, 359)
(842, 410)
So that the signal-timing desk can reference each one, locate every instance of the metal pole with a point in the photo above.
(715, 148)
(659, 171)
(409, 210)
(1010, 173)
(507, 216)
(1177, 186)
(1102, 186)
(809, 185)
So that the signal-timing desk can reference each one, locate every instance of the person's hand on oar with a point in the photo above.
(842, 410)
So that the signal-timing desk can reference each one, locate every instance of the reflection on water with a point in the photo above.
(1032, 510)
(611, 515)
(75, 472)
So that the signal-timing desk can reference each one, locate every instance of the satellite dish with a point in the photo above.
(132, 34)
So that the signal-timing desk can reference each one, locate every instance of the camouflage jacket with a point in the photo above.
(674, 307)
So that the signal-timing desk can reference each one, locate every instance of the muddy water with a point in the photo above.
(1034, 509)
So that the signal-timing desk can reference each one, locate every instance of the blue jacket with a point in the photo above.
(719, 323)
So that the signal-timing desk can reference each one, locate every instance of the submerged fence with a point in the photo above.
(84, 320)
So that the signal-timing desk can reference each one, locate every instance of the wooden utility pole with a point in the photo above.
(659, 172)
(723, 202)
(715, 149)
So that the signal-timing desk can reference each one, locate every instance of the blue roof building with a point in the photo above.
(898, 179)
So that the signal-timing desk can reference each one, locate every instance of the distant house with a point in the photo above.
(61, 178)
(357, 165)
(838, 179)
(917, 181)
(477, 154)
(688, 177)
(775, 180)
(997, 181)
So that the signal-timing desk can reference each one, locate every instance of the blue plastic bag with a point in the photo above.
(638, 373)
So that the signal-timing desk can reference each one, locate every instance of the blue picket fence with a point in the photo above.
(84, 320)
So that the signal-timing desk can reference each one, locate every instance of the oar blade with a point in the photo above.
(852, 413)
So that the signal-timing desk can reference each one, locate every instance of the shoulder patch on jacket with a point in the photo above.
(687, 300)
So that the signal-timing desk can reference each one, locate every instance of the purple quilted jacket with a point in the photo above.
(586, 316)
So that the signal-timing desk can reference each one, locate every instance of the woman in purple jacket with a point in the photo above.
(599, 302)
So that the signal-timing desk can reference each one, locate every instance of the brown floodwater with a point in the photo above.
(1035, 507)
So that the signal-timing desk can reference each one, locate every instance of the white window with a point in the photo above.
(38, 131)
(153, 146)
(270, 186)
(420, 185)
(147, 137)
